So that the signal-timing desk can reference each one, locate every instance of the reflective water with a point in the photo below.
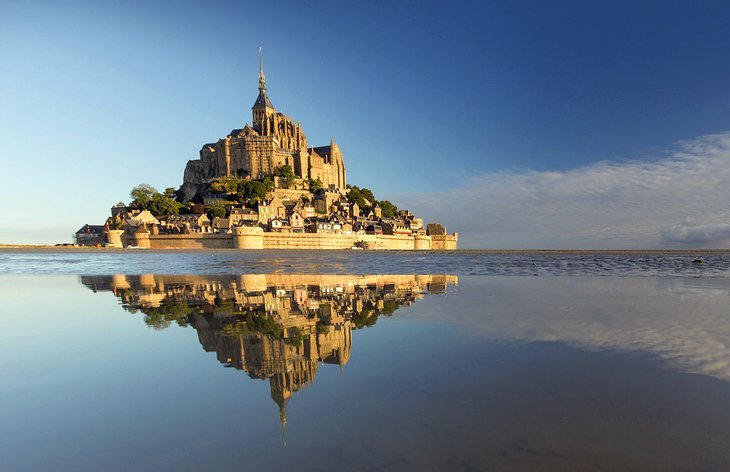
(713, 264)
(383, 372)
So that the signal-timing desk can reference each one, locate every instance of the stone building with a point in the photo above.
(90, 235)
(254, 151)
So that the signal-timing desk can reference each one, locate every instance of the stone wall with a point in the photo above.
(310, 240)
(444, 242)
(191, 241)
(255, 238)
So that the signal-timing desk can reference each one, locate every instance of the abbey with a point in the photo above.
(271, 140)
(264, 187)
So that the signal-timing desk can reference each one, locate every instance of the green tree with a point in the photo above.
(283, 170)
(286, 172)
(163, 205)
(218, 186)
(315, 185)
(356, 196)
(142, 196)
(217, 210)
(368, 195)
(253, 191)
(389, 307)
(389, 210)
(226, 185)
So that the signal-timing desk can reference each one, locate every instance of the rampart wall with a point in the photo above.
(253, 239)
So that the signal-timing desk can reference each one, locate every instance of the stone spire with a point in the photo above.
(262, 107)
(262, 77)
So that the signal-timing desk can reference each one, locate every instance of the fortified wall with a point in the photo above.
(245, 237)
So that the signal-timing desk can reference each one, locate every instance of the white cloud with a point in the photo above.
(696, 234)
(677, 200)
(680, 320)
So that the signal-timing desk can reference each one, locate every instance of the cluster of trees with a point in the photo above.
(366, 201)
(369, 315)
(315, 185)
(286, 172)
(245, 191)
(146, 197)
(162, 316)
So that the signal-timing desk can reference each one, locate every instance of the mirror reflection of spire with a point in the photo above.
(282, 419)
(279, 327)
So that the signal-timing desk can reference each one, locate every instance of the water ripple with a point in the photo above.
(715, 264)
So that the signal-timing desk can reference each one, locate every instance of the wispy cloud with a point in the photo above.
(644, 314)
(696, 234)
(677, 200)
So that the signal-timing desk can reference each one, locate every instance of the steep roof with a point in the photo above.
(434, 229)
(144, 217)
(91, 229)
(262, 101)
(323, 151)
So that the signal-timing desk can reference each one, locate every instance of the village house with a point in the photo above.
(324, 226)
(304, 209)
(189, 223)
(90, 235)
(142, 218)
(416, 226)
(377, 211)
(394, 226)
(325, 199)
(274, 208)
(279, 225)
(373, 228)
(221, 225)
(297, 222)
(239, 215)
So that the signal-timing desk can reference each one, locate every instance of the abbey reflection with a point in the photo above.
(279, 326)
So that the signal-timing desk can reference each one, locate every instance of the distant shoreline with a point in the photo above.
(28, 248)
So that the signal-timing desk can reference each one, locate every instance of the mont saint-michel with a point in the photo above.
(264, 186)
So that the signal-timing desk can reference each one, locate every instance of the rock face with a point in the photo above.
(254, 151)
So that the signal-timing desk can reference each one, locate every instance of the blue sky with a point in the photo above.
(459, 99)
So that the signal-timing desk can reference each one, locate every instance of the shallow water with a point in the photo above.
(372, 372)
(714, 264)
